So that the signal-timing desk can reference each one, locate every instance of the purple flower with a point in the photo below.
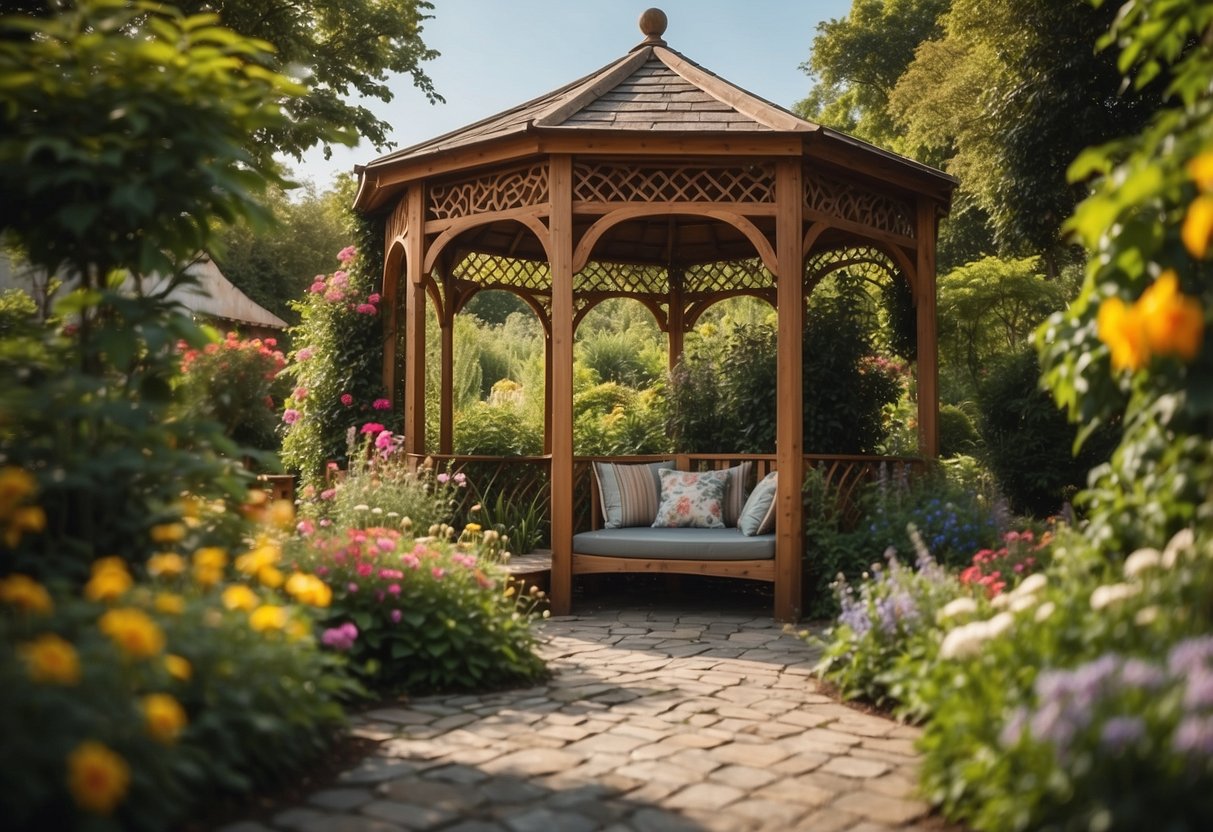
(396, 615)
(341, 637)
(1189, 655)
(1198, 693)
(1120, 732)
(1194, 736)
(1137, 673)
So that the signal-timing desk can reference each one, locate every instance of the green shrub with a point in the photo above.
(496, 430)
(958, 436)
(424, 614)
(1030, 443)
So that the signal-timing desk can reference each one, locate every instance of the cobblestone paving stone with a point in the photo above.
(653, 721)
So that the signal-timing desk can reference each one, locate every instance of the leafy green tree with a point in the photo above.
(1009, 95)
(123, 134)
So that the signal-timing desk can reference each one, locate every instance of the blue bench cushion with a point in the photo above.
(675, 544)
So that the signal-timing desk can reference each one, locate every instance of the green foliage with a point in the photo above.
(987, 310)
(18, 313)
(620, 357)
(494, 307)
(234, 382)
(426, 614)
(958, 436)
(336, 368)
(496, 430)
(1029, 443)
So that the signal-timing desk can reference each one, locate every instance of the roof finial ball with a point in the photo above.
(652, 25)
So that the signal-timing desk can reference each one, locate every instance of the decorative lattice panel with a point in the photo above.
(488, 270)
(398, 222)
(599, 276)
(727, 276)
(849, 201)
(603, 182)
(866, 261)
(492, 192)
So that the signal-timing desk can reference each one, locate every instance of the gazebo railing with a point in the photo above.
(523, 479)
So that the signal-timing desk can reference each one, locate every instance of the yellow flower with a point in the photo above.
(240, 597)
(15, 485)
(1122, 329)
(299, 630)
(50, 660)
(267, 617)
(23, 519)
(25, 593)
(472, 528)
(206, 577)
(166, 564)
(264, 555)
(168, 533)
(164, 716)
(97, 777)
(1174, 322)
(169, 603)
(1201, 170)
(135, 633)
(178, 667)
(210, 557)
(282, 514)
(1198, 226)
(110, 580)
(308, 589)
(270, 577)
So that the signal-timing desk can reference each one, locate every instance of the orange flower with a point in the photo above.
(1122, 329)
(50, 660)
(1174, 322)
(164, 716)
(97, 777)
(167, 533)
(1197, 229)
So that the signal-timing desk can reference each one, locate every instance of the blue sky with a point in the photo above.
(499, 53)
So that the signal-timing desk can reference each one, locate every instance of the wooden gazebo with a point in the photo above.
(656, 180)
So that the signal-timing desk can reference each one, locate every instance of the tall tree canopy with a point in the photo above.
(346, 49)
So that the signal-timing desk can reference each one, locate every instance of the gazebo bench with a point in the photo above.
(724, 552)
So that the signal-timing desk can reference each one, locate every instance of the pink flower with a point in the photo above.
(443, 478)
(391, 574)
(372, 427)
(396, 616)
(340, 279)
(438, 572)
(290, 416)
(325, 523)
(304, 354)
(300, 393)
(374, 297)
(317, 288)
(334, 295)
(346, 254)
(394, 589)
(340, 638)
(384, 440)
(467, 561)
(351, 586)
(410, 560)
(386, 543)
(461, 479)
(305, 527)
(328, 493)
(366, 309)
(347, 399)
(382, 404)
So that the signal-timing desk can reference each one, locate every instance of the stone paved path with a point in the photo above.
(654, 720)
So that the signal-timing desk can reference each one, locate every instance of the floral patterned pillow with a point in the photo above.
(691, 499)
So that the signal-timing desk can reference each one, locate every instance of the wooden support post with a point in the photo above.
(560, 225)
(391, 318)
(547, 392)
(446, 406)
(928, 333)
(676, 330)
(415, 310)
(789, 430)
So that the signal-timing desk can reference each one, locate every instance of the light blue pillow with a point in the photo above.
(629, 494)
(758, 516)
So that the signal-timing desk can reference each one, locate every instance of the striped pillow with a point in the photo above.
(734, 492)
(629, 494)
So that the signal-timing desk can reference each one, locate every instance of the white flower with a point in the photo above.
(1031, 585)
(1141, 561)
(1044, 611)
(1019, 603)
(956, 607)
(965, 641)
(1183, 539)
(1146, 616)
(362, 507)
(1112, 593)
(376, 510)
(1001, 601)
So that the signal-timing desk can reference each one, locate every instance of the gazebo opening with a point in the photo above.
(654, 182)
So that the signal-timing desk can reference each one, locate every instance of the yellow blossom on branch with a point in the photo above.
(268, 617)
(110, 580)
(15, 485)
(1200, 169)
(97, 778)
(308, 589)
(51, 660)
(166, 564)
(240, 597)
(1197, 230)
(1121, 328)
(178, 667)
(1175, 322)
(168, 533)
